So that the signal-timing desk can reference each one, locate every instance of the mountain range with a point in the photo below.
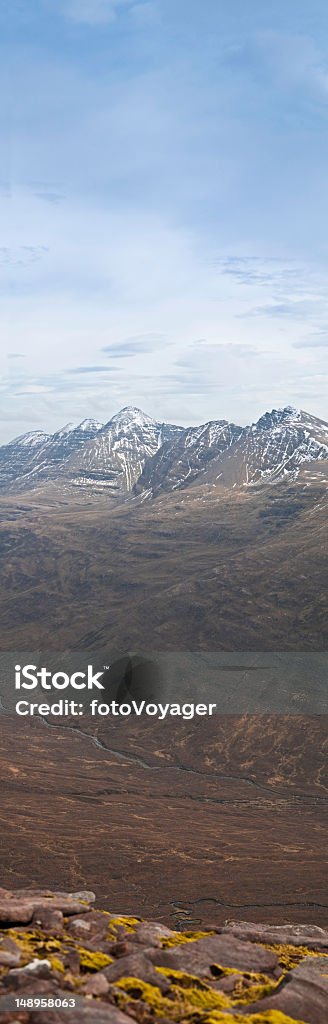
(135, 455)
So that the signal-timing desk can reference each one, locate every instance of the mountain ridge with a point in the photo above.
(133, 454)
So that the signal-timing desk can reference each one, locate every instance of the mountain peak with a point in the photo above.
(33, 437)
(129, 416)
(277, 417)
(67, 429)
(89, 424)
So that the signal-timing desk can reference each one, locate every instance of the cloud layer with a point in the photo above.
(163, 206)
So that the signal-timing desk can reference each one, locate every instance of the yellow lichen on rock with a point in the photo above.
(179, 938)
(93, 961)
(253, 992)
(182, 978)
(269, 1017)
(290, 956)
(33, 943)
(129, 923)
(57, 964)
(134, 988)
(197, 1005)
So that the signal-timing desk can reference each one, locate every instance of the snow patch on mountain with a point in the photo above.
(29, 440)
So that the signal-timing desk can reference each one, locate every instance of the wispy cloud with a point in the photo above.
(203, 353)
(294, 310)
(134, 346)
(93, 12)
(22, 255)
(318, 340)
(89, 369)
(292, 61)
(50, 197)
(262, 271)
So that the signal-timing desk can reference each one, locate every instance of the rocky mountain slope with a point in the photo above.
(91, 456)
(179, 462)
(115, 457)
(277, 447)
(36, 457)
(62, 959)
(134, 454)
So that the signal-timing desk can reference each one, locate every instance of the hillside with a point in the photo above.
(200, 569)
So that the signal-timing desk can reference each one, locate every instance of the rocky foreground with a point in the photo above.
(63, 960)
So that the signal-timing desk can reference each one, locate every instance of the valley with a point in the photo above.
(192, 825)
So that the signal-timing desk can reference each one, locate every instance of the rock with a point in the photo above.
(10, 953)
(15, 911)
(85, 895)
(72, 961)
(8, 959)
(96, 986)
(149, 933)
(64, 903)
(51, 921)
(200, 957)
(124, 948)
(136, 966)
(22, 976)
(295, 935)
(19, 907)
(227, 984)
(311, 967)
(302, 994)
(93, 921)
(78, 926)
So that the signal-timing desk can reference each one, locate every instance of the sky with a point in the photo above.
(163, 209)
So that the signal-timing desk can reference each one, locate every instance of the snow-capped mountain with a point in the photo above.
(135, 454)
(90, 456)
(278, 446)
(282, 442)
(36, 457)
(114, 459)
(182, 460)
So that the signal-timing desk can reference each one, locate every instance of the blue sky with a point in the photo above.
(163, 209)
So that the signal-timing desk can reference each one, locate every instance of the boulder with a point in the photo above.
(20, 907)
(295, 935)
(136, 966)
(302, 994)
(150, 933)
(202, 956)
